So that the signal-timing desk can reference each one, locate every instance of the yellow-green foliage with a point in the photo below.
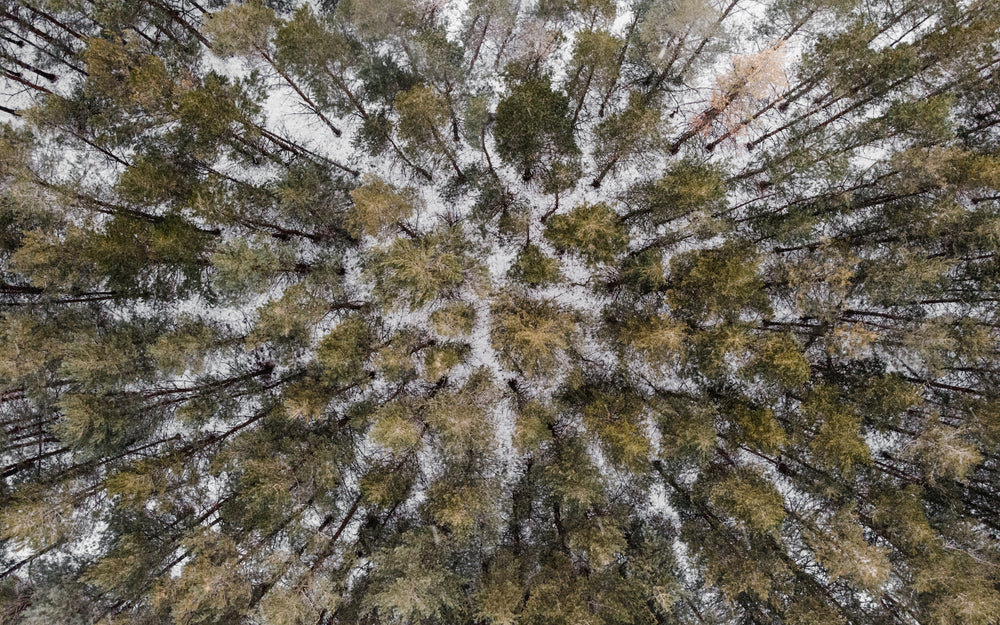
(530, 335)
(378, 206)
(593, 231)
(397, 428)
(343, 351)
(837, 443)
(840, 546)
(716, 284)
(413, 273)
(240, 29)
(751, 499)
(779, 358)
(454, 319)
(491, 312)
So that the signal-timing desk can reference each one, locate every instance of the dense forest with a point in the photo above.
(500, 312)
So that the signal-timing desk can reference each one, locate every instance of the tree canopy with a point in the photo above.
(497, 312)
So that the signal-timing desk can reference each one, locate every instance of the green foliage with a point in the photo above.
(184, 596)
(751, 499)
(659, 340)
(780, 359)
(634, 134)
(309, 316)
(423, 122)
(534, 129)
(534, 267)
(530, 335)
(534, 425)
(758, 427)
(377, 206)
(396, 429)
(244, 266)
(288, 321)
(152, 179)
(384, 78)
(441, 359)
(36, 519)
(719, 284)
(837, 443)
(501, 591)
(687, 187)
(386, 486)
(100, 424)
(240, 29)
(343, 351)
(454, 319)
(208, 112)
(122, 73)
(688, 432)
(841, 548)
(461, 418)
(593, 231)
(414, 581)
(418, 272)
(379, 21)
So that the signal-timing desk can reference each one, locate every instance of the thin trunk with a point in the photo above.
(298, 150)
(52, 20)
(177, 17)
(583, 96)
(402, 155)
(479, 46)
(486, 152)
(17, 43)
(551, 211)
(13, 469)
(507, 38)
(705, 40)
(103, 150)
(621, 62)
(265, 370)
(342, 85)
(298, 90)
(708, 117)
(46, 52)
(662, 75)
(16, 77)
(359, 106)
(451, 113)
(71, 300)
(107, 208)
(280, 232)
(28, 560)
(38, 32)
(782, 101)
(447, 152)
(49, 76)
(596, 182)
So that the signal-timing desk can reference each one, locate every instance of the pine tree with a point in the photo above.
(570, 311)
